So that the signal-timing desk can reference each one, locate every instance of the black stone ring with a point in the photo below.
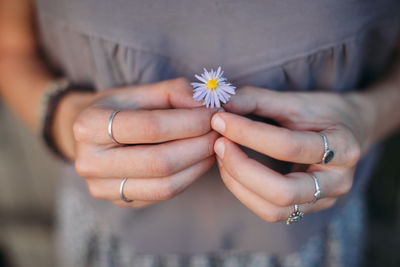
(328, 153)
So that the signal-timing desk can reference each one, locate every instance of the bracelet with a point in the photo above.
(54, 93)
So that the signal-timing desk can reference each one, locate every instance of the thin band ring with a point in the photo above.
(296, 216)
(328, 153)
(121, 191)
(317, 194)
(110, 123)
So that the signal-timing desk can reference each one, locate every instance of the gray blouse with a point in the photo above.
(324, 45)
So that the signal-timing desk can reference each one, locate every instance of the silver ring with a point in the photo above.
(317, 194)
(121, 191)
(110, 123)
(328, 153)
(296, 216)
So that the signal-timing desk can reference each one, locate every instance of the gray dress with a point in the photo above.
(324, 45)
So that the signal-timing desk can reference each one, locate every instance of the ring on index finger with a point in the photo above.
(110, 123)
(328, 153)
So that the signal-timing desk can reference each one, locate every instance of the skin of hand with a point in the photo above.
(165, 137)
(301, 117)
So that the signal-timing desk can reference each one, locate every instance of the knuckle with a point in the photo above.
(293, 148)
(271, 217)
(161, 166)
(152, 129)
(81, 129)
(285, 196)
(84, 167)
(330, 203)
(351, 148)
(95, 191)
(247, 90)
(168, 190)
(182, 82)
(345, 186)
(84, 127)
(285, 199)
(227, 181)
(353, 153)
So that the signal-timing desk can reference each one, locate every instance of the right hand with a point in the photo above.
(172, 136)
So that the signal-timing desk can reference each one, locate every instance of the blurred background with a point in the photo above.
(28, 182)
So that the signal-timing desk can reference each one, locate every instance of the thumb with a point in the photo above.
(262, 102)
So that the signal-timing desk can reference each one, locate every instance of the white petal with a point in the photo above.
(212, 99)
(199, 95)
(207, 97)
(198, 99)
(200, 78)
(221, 96)
(206, 74)
(201, 87)
(215, 100)
(228, 89)
(197, 84)
(225, 94)
(207, 103)
(215, 75)
(219, 74)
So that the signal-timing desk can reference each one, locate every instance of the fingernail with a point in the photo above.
(219, 148)
(218, 124)
(216, 110)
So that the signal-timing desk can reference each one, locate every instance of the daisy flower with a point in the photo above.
(214, 88)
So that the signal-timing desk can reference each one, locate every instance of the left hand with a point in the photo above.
(302, 116)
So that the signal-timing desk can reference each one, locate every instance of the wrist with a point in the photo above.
(56, 110)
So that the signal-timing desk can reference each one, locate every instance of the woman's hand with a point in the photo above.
(302, 116)
(171, 134)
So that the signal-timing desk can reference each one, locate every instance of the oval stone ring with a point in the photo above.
(328, 153)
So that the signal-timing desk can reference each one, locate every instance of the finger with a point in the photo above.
(144, 161)
(264, 209)
(260, 101)
(304, 147)
(156, 189)
(175, 93)
(143, 126)
(281, 190)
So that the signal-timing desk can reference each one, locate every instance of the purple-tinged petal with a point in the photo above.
(200, 78)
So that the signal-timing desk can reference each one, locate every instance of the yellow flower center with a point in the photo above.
(212, 84)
